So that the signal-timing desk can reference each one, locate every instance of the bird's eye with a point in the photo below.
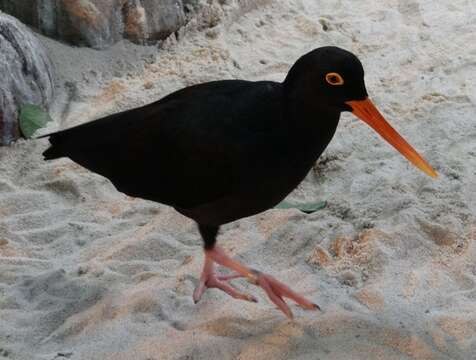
(334, 79)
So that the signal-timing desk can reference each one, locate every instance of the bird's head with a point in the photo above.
(334, 78)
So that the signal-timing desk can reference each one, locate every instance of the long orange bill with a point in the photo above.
(366, 111)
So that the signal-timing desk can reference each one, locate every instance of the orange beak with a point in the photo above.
(366, 111)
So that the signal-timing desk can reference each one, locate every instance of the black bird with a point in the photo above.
(224, 150)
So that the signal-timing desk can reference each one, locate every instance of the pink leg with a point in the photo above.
(273, 288)
(209, 279)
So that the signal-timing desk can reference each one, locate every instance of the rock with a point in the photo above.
(26, 73)
(156, 19)
(100, 23)
(96, 23)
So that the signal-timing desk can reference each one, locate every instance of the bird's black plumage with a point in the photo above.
(222, 150)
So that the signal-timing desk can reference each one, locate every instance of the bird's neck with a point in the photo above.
(311, 123)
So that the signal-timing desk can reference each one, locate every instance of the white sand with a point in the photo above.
(88, 273)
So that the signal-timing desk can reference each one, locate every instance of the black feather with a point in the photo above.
(217, 151)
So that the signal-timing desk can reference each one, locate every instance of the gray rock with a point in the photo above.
(100, 23)
(151, 20)
(26, 75)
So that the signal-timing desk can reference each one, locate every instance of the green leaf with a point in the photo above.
(307, 208)
(32, 118)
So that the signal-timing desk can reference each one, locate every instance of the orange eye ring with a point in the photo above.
(334, 79)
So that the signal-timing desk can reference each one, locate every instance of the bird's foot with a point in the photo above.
(210, 280)
(276, 291)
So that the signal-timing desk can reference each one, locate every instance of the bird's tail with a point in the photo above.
(54, 151)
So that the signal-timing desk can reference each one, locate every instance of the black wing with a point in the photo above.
(187, 149)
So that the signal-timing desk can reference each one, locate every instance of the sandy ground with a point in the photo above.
(89, 273)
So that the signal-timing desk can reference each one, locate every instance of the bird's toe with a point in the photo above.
(230, 290)
(198, 292)
(219, 282)
(276, 291)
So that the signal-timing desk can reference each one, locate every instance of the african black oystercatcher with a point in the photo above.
(243, 145)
